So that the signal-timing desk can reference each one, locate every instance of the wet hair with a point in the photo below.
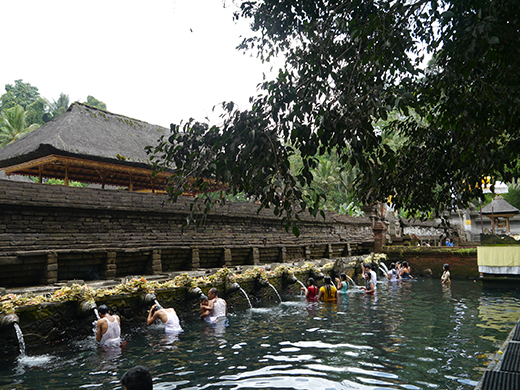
(203, 297)
(103, 309)
(328, 283)
(213, 290)
(311, 281)
(392, 265)
(137, 378)
(405, 264)
(446, 266)
(343, 276)
(368, 266)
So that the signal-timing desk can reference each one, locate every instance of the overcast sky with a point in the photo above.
(160, 61)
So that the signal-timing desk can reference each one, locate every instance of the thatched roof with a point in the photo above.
(89, 145)
(500, 207)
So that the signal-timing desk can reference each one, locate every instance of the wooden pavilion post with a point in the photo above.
(66, 175)
(40, 173)
(131, 186)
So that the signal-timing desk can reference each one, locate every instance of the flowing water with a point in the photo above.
(19, 335)
(411, 335)
(278, 295)
(353, 283)
(245, 294)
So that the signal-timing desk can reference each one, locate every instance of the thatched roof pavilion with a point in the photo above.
(89, 145)
(499, 211)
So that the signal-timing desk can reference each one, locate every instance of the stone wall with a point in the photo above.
(56, 233)
(427, 261)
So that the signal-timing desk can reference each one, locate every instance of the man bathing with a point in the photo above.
(214, 308)
(108, 327)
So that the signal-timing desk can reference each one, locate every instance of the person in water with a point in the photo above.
(311, 292)
(393, 274)
(137, 378)
(342, 283)
(204, 308)
(405, 271)
(446, 277)
(372, 273)
(369, 288)
(328, 292)
(217, 306)
(167, 316)
(108, 327)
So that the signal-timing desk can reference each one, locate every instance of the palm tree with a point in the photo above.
(13, 125)
(56, 108)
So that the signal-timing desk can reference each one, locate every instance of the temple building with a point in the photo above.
(88, 145)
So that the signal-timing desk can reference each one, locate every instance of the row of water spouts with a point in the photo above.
(13, 318)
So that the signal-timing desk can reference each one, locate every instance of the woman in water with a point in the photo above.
(311, 292)
(445, 278)
(370, 288)
(405, 271)
(328, 292)
(342, 283)
(393, 275)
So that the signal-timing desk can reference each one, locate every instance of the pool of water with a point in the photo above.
(411, 335)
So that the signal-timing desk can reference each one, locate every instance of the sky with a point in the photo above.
(160, 61)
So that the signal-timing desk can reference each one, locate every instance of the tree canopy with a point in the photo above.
(92, 101)
(349, 64)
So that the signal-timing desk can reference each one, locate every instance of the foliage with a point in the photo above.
(348, 65)
(513, 196)
(23, 94)
(93, 102)
(13, 125)
(56, 108)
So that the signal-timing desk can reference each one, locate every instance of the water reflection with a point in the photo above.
(410, 335)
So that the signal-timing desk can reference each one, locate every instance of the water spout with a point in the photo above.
(301, 284)
(96, 312)
(245, 294)
(353, 283)
(21, 341)
(385, 272)
(279, 297)
(385, 267)
(8, 320)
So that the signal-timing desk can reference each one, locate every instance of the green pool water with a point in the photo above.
(411, 335)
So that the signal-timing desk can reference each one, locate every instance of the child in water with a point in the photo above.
(204, 308)
(445, 278)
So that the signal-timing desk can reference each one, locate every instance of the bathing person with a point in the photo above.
(137, 378)
(167, 316)
(405, 271)
(448, 242)
(311, 292)
(204, 308)
(217, 306)
(445, 278)
(372, 273)
(328, 292)
(393, 275)
(342, 283)
(108, 327)
(370, 287)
